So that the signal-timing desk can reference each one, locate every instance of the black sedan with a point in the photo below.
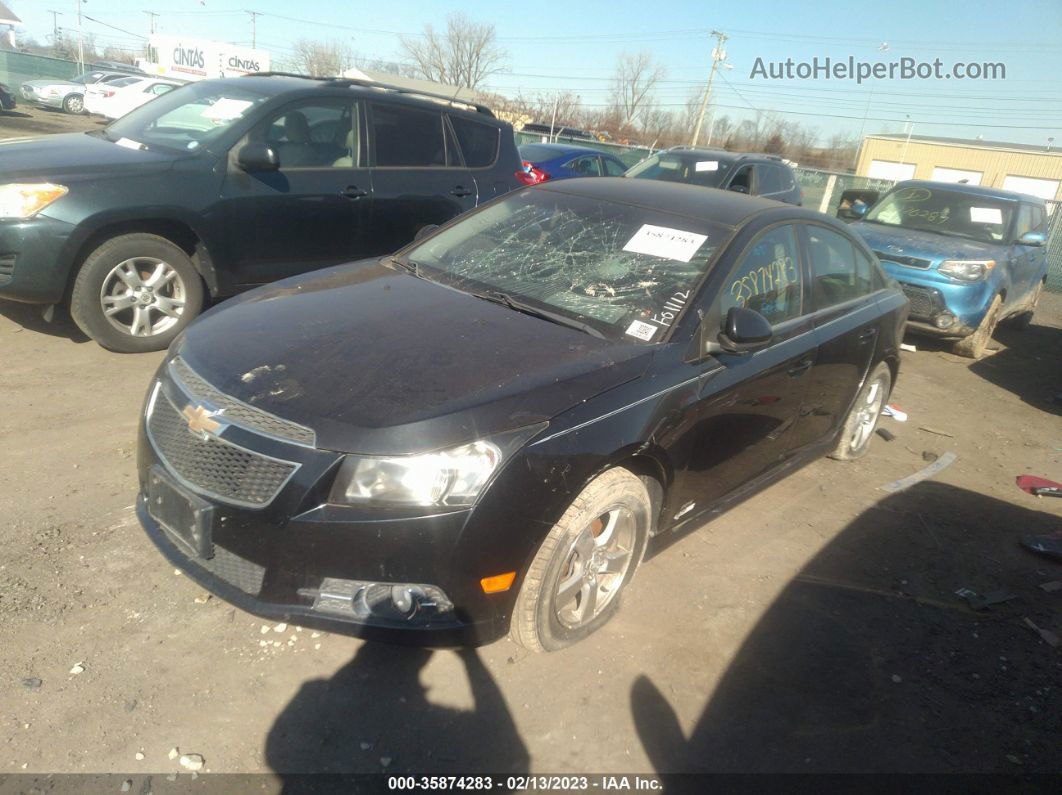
(486, 432)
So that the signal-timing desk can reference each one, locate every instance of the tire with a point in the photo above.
(1024, 319)
(862, 419)
(615, 508)
(74, 103)
(973, 346)
(135, 293)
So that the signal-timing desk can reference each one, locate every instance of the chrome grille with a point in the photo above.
(910, 262)
(234, 570)
(213, 466)
(237, 412)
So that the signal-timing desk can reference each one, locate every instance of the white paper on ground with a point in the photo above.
(662, 241)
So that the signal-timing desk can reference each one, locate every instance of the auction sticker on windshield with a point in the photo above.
(986, 215)
(707, 165)
(661, 241)
(642, 331)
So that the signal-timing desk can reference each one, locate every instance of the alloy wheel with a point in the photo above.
(142, 296)
(867, 413)
(595, 567)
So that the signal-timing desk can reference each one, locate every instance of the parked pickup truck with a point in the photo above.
(967, 257)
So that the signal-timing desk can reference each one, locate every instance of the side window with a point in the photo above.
(318, 134)
(875, 275)
(162, 88)
(767, 179)
(837, 273)
(407, 137)
(785, 175)
(479, 142)
(585, 166)
(1024, 223)
(1038, 222)
(742, 179)
(614, 168)
(767, 278)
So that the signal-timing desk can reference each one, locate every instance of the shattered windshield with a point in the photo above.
(627, 271)
(946, 212)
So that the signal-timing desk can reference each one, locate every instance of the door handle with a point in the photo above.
(867, 335)
(353, 192)
(461, 191)
(799, 369)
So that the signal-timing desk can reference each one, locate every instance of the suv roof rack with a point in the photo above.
(412, 92)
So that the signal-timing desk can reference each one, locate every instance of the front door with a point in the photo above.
(418, 176)
(311, 213)
(739, 428)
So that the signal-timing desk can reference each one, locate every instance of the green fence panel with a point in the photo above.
(1054, 248)
(18, 67)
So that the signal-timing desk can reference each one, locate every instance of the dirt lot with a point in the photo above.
(29, 120)
(813, 628)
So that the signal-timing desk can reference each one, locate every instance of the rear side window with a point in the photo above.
(768, 278)
(769, 180)
(585, 166)
(785, 176)
(407, 137)
(479, 142)
(839, 272)
(614, 168)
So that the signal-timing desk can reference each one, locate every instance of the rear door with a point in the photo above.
(738, 430)
(480, 145)
(847, 322)
(418, 175)
(311, 213)
(1026, 262)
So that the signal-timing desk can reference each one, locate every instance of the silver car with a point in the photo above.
(67, 94)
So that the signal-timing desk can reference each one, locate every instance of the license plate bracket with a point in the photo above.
(186, 518)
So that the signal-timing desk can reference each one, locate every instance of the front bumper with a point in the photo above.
(33, 264)
(272, 560)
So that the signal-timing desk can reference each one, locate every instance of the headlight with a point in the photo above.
(967, 270)
(19, 200)
(453, 477)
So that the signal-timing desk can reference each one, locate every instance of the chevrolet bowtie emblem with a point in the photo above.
(201, 420)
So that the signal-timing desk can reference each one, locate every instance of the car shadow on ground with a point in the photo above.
(13, 114)
(31, 318)
(1030, 366)
(867, 661)
(374, 716)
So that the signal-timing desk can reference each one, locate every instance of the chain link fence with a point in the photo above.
(17, 68)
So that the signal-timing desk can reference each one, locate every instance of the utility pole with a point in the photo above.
(718, 54)
(55, 24)
(80, 38)
(910, 126)
(153, 15)
(254, 34)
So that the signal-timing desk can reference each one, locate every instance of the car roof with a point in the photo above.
(974, 190)
(722, 154)
(565, 149)
(276, 83)
(725, 207)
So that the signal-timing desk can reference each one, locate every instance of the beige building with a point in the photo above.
(1025, 168)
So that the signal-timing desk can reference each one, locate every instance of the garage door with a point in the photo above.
(887, 169)
(957, 175)
(1044, 188)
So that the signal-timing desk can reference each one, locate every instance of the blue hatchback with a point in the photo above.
(563, 161)
(967, 257)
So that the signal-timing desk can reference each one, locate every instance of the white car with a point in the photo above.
(113, 102)
(95, 94)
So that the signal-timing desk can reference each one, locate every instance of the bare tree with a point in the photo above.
(321, 58)
(633, 82)
(390, 67)
(465, 55)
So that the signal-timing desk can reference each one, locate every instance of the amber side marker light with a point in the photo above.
(498, 583)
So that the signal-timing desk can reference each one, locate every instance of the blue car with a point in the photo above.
(967, 257)
(563, 161)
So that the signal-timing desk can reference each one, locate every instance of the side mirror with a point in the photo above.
(425, 230)
(855, 202)
(854, 211)
(258, 157)
(1036, 239)
(744, 331)
(740, 188)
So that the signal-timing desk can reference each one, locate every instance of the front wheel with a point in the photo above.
(573, 585)
(135, 293)
(862, 418)
(74, 103)
(974, 346)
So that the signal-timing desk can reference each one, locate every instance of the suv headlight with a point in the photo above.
(453, 477)
(22, 200)
(967, 270)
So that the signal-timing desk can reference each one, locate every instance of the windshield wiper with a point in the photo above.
(497, 297)
(407, 265)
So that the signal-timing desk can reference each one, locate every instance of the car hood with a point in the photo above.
(925, 245)
(56, 158)
(380, 362)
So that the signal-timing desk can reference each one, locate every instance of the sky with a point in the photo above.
(574, 46)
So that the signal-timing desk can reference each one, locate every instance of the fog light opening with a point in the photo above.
(944, 320)
(379, 601)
